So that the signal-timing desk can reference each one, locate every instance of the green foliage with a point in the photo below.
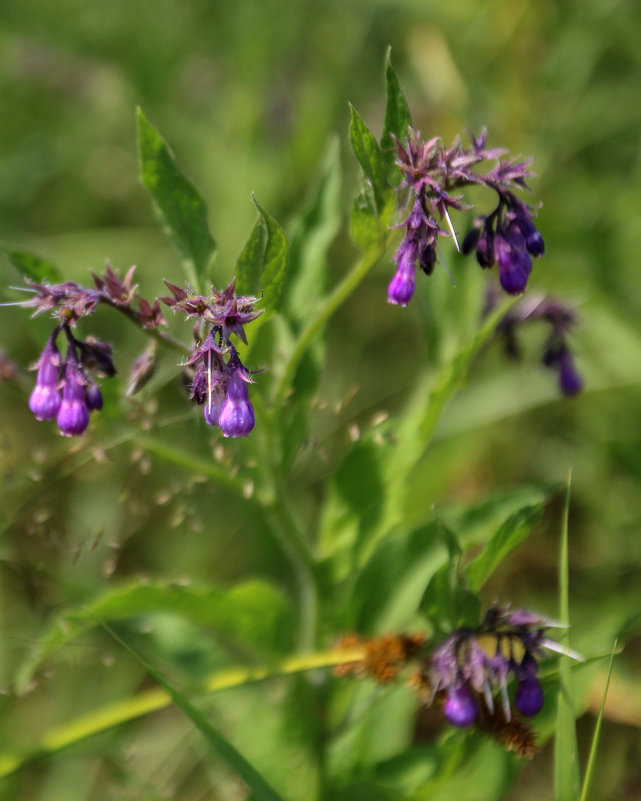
(397, 113)
(376, 527)
(32, 266)
(262, 265)
(253, 615)
(259, 787)
(183, 210)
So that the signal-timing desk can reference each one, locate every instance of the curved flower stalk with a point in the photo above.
(431, 172)
(470, 672)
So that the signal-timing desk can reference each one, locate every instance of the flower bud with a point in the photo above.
(45, 399)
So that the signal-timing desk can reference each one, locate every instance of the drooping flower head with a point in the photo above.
(431, 173)
(473, 666)
(220, 380)
(560, 319)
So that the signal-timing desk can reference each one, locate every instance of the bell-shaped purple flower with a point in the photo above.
(93, 398)
(73, 415)
(514, 263)
(570, 381)
(460, 707)
(529, 693)
(532, 236)
(401, 288)
(529, 696)
(45, 399)
(236, 417)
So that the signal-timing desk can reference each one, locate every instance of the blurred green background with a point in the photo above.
(248, 98)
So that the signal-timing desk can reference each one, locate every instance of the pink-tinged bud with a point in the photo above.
(45, 399)
(237, 414)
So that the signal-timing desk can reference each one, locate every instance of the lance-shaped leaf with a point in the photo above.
(262, 265)
(370, 157)
(397, 113)
(504, 540)
(181, 207)
(32, 266)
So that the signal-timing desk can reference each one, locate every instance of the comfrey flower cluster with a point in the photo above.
(474, 664)
(66, 389)
(556, 351)
(470, 671)
(506, 237)
(220, 381)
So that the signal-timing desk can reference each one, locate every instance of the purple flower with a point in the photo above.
(93, 398)
(401, 287)
(237, 414)
(514, 263)
(460, 707)
(472, 665)
(431, 174)
(45, 399)
(73, 415)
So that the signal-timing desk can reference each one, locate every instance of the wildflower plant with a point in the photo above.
(378, 586)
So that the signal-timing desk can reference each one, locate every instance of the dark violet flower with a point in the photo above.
(570, 381)
(45, 399)
(73, 415)
(93, 398)
(431, 173)
(460, 707)
(473, 665)
(514, 263)
(529, 693)
(237, 414)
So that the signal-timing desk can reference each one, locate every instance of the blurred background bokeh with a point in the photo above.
(248, 95)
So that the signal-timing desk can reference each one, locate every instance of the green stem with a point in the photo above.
(333, 302)
(290, 537)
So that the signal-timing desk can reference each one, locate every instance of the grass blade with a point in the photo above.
(589, 770)
(257, 784)
(566, 757)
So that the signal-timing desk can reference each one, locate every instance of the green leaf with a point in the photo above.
(447, 602)
(364, 226)
(252, 613)
(32, 266)
(370, 157)
(397, 113)
(313, 234)
(262, 265)
(257, 784)
(508, 536)
(566, 754)
(181, 207)
(388, 590)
